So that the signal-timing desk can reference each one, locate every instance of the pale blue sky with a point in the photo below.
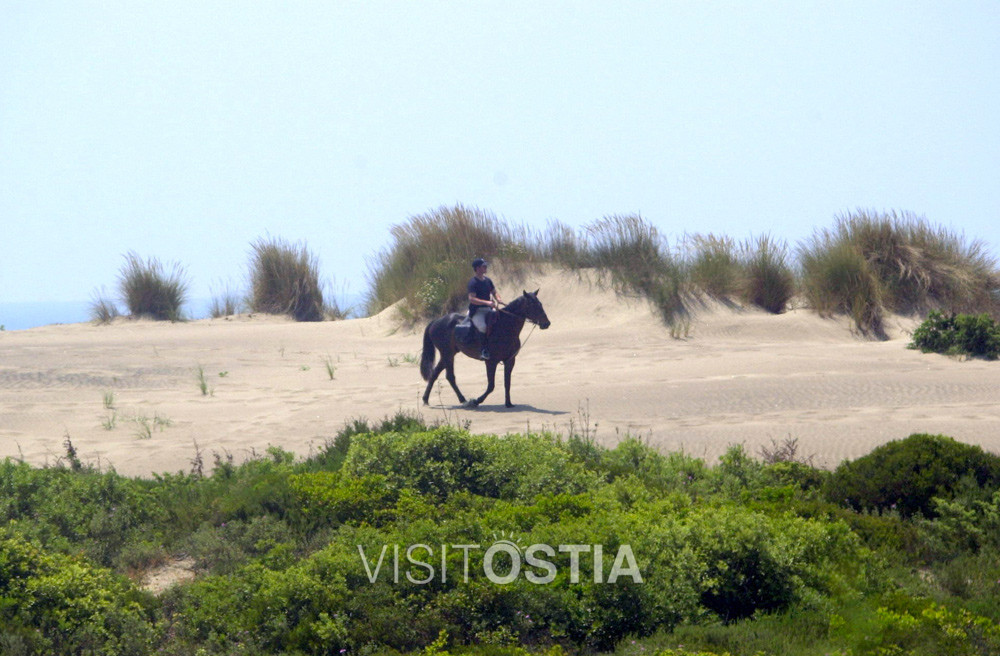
(186, 130)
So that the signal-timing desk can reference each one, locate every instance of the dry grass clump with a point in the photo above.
(284, 279)
(768, 281)
(148, 291)
(714, 265)
(429, 261)
(871, 263)
(637, 259)
(755, 272)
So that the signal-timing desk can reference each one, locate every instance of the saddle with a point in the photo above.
(465, 332)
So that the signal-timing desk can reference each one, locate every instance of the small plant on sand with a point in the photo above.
(284, 279)
(203, 382)
(102, 310)
(110, 421)
(331, 368)
(148, 291)
(109, 400)
(226, 304)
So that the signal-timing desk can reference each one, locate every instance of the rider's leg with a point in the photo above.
(479, 321)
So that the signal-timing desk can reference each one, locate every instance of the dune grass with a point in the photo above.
(147, 290)
(284, 279)
(429, 262)
(872, 263)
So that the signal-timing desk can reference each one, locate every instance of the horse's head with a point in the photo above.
(534, 311)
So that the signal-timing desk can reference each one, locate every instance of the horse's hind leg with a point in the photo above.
(449, 364)
(430, 381)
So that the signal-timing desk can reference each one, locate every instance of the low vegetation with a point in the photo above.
(868, 265)
(743, 557)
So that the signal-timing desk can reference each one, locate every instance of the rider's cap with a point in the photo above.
(478, 262)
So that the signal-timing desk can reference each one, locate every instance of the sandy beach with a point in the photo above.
(607, 365)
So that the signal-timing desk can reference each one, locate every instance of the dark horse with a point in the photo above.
(504, 343)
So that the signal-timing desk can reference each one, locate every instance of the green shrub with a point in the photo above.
(147, 291)
(962, 334)
(284, 279)
(905, 475)
(448, 460)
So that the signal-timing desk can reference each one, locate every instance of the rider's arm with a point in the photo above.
(475, 300)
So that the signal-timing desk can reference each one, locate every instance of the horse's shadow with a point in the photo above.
(500, 408)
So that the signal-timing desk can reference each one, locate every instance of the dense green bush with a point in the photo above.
(51, 603)
(905, 475)
(961, 334)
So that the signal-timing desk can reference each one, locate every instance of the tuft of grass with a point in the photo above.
(331, 368)
(147, 290)
(226, 304)
(202, 381)
(109, 422)
(769, 282)
(102, 310)
(109, 400)
(836, 278)
(715, 267)
(284, 279)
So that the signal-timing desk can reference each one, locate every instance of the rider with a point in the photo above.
(483, 298)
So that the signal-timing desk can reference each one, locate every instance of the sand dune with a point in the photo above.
(607, 365)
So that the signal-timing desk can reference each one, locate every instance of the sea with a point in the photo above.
(32, 314)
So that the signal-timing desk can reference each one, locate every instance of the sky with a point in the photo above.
(187, 130)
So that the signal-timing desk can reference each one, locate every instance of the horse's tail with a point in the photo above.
(427, 359)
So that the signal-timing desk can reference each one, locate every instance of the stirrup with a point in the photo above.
(485, 354)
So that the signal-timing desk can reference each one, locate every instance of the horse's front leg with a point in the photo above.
(508, 367)
(491, 374)
(450, 375)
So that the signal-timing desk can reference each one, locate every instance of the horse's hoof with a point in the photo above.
(509, 405)
(472, 403)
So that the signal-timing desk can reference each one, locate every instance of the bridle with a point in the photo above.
(534, 324)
